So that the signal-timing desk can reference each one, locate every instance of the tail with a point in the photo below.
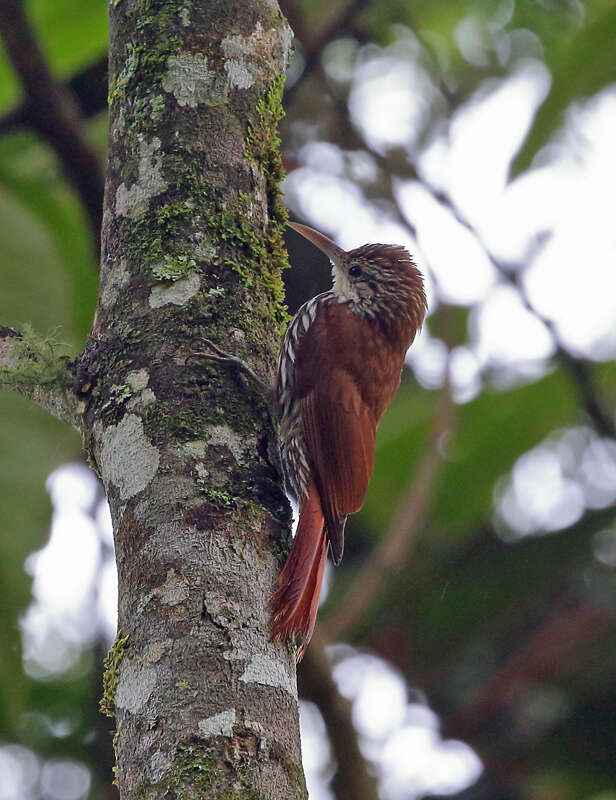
(295, 602)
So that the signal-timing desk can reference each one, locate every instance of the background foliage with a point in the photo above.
(503, 623)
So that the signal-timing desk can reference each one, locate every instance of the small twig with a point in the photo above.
(577, 368)
(392, 552)
(353, 778)
(53, 112)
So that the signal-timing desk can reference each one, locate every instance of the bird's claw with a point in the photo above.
(219, 355)
(215, 354)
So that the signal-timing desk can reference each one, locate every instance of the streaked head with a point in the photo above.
(377, 279)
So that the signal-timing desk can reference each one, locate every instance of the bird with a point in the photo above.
(339, 367)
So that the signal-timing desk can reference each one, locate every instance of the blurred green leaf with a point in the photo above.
(581, 64)
(73, 35)
(492, 431)
(35, 288)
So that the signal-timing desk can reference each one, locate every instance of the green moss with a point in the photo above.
(292, 768)
(114, 769)
(296, 777)
(162, 425)
(173, 267)
(194, 769)
(217, 498)
(111, 676)
(157, 104)
(262, 149)
(35, 360)
(196, 772)
(157, 239)
(199, 772)
(249, 253)
(118, 84)
(121, 393)
(150, 59)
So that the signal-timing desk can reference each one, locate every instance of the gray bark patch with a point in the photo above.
(218, 725)
(114, 282)
(173, 591)
(135, 686)
(268, 672)
(134, 201)
(190, 82)
(178, 293)
(159, 764)
(128, 460)
(227, 437)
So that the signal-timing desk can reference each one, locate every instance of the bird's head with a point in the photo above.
(379, 280)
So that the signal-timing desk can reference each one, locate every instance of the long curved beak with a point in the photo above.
(325, 244)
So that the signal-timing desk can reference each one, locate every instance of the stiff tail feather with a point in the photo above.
(295, 602)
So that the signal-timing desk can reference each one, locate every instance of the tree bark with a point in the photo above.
(205, 705)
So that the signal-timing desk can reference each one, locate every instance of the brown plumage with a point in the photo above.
(339, 367)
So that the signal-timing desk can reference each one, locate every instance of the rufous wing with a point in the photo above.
(346, 374)
(339, 430)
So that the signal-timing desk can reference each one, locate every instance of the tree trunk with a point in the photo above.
(205, 705)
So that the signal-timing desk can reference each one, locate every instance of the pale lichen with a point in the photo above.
(223, 435)
(173, 591)
(190, 81)
(177, 294)
(127, 461)
(243, 54)
(138, 379)
(135, 686)
(157, 650)
(266, 671)
(195, 449)
(150, 183)
(219, 724)
(115, 281)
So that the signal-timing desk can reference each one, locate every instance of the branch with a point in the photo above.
(353, 778)
(52, 111)
(88, 87)
(30, 366)
(391, 553)
(577, 368)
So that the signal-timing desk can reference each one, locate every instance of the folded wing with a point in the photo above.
(338, 417)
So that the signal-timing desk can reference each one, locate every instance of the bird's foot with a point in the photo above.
(217, 354)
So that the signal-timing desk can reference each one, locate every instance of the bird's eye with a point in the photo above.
(355, 272)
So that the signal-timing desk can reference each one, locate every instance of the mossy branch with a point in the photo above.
(35, 367)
